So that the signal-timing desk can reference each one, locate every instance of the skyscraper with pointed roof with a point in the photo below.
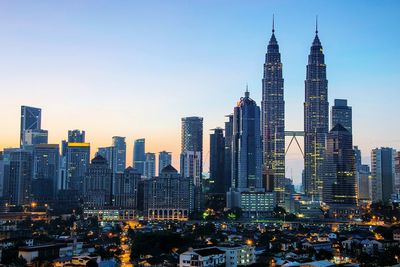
(316, 119)
(273, 120)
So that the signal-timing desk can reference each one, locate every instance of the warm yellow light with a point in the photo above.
(78, 144)
(33, 204)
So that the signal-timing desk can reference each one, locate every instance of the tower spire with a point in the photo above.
(273, 23)
(316, 25)
(247, 94)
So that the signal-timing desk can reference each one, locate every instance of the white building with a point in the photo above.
(205, 257)
(239, 255)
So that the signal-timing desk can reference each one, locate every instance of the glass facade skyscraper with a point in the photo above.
(342, 113)
(150, 165)
(119, 154)
(31, 119)
(139, 156)
(340, 184)
(164, 159)
(76, 136)
(316, 120)
(217, 161)
(273, 121)
(383, 171)
(246, 145)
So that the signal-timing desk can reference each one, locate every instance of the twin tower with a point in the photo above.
(316, 120)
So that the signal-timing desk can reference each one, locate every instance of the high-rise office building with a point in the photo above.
(77, 156)
(46, 160)
(31, 119)
(119, 157)
(191, 157)
(217, 161)
(342, 113)
(228, 153)
(273, 121)
(17, 176)
(192, 140)
(107, 153)
(126, 189)
(246, 145)
(357, 154)
(139, 156)
(340, 185)
(164, 159)
(247, 190)
(364, 181)
(397, 171)
(97, 184)
(150, 165)
(316, 120)
(76, 136)
(1, 174)
(35, 137)
(383, 173)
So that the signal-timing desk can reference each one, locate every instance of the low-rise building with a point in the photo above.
(238, 255)
(205, 257)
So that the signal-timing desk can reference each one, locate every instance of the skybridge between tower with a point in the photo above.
(294, 135)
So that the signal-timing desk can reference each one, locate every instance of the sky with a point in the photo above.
(135, 68)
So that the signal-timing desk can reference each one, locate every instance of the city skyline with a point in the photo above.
(70, 90)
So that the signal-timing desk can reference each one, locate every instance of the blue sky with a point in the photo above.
(134, 68)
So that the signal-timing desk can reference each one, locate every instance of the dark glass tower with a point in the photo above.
(342, 113)
(31, 119)
(246, 146)
(273, 121)
(316, 120)
(340, 185)
(217, 160)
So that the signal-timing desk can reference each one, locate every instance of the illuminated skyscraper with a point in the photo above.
(273, 121)
(31, 119)
(340, 185)
(316, 120)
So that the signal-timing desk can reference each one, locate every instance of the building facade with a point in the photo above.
(169, 196)
(383, 173)
(273, 121)
(97, 184)
(139, 155)
(342, 113)
(150, 165)
(247, 160)
(340, 184)
(31, 119)
(316, 120)
(217, 161)
(119, 154)
(126, 189)
(17, 176)
(46, 160)
(164, 159)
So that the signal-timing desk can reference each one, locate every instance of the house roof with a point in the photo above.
(209, 251)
